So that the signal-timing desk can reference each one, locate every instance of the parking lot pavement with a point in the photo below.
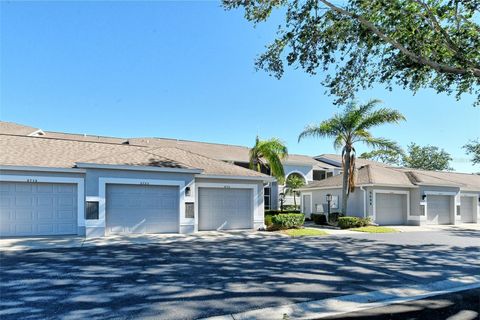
(220, 275)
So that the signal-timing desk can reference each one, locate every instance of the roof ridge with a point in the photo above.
(86, 135)
(443, 179)
(185, 140)
(438, 171)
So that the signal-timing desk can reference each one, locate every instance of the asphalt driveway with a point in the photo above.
(193, 279)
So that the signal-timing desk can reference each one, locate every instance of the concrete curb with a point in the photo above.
(350, 303)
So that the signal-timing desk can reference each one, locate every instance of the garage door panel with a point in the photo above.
(45, 228)
(23, 187)
(225, 209)
(24, 201)
(45, 215)
(45, 188)
(142, 209)
(391, 209)
(37, 209)
(46, 201)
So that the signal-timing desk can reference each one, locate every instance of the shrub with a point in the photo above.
(333, 217)
(268, 220)
(365, 221)
(348, 222)
(319, 218)
(352, 222)
(287, 221)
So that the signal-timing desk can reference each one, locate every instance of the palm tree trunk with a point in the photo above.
(294, 201)
(346, 173)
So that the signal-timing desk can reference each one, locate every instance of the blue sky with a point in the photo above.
(183, 70)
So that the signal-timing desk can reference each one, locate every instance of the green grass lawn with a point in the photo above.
(304, 232)
(373, 229)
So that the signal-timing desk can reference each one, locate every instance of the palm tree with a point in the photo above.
(269, 154)
(349, 127)
(294, 181)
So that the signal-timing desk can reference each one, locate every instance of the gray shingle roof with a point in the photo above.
(402, 177)
(224, 152)
(367, 175)
(48, 152)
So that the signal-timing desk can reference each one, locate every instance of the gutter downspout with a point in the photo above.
(364, 202)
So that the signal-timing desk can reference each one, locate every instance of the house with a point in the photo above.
(309, 168)
(400, 196)
(54, 185)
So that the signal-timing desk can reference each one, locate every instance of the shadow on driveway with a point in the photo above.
(187, 280)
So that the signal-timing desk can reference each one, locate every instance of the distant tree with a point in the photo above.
(269, 154)
(426, 158)
(294, 181)
(387, 156)
(473, 149)
(357, 43)
(350, 127)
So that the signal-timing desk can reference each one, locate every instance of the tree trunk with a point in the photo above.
(346, 173)
(294, 200)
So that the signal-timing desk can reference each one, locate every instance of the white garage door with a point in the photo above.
(439, 209)
(29, 209)
(467, 211)
(391, 209)
(225, 209)
(141, 209)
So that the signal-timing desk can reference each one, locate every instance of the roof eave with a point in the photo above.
(359, 185)
(236, 177)
(41, 169)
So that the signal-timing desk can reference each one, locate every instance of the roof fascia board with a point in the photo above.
(213, 176)
(41, 169)
(360, 185)
(438, 185)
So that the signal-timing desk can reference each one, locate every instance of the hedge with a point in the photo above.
(352, 222)
(288, 221)
(333, 217)
(319, 218)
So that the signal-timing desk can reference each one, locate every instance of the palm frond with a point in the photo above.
(381, 143)
(381, 116)
(326, 129)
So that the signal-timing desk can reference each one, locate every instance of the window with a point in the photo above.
(319, 175)
(266, 197)
(267, 191)
(266, 200)
(422, 210)
(91, 212)
(189, 210)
